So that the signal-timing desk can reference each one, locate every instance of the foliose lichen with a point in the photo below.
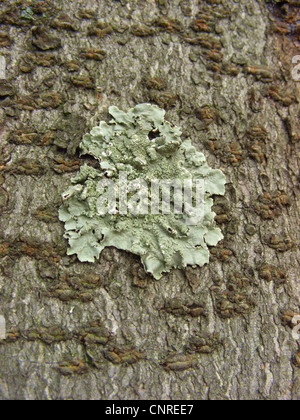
(148, 152)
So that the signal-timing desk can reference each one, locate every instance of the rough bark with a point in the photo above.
(222, 70)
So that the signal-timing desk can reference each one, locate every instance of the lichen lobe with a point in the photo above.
(148, 151)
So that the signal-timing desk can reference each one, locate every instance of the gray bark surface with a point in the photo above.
(222, 70)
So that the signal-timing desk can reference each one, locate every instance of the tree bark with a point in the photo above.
(222, 70)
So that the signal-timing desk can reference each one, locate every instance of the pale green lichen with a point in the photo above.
(142, 145)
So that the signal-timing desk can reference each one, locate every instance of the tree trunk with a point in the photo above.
(223, 72)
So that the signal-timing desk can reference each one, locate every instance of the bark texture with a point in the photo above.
(222, 70)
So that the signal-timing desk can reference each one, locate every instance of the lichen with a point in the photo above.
(145, 147)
